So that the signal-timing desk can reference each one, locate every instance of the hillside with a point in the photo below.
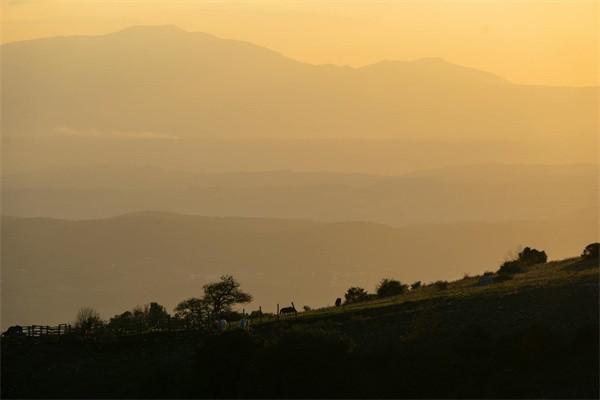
(533, 336)
(52, 267)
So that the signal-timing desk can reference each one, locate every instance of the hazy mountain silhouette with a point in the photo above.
(162, 82)
(51, 267)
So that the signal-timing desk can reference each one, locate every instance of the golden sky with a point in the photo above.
(527, 41)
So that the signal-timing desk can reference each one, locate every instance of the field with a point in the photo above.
(535, 335)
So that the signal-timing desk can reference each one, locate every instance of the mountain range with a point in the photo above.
(162, 84)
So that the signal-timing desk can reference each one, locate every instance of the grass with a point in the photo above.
(535, 335)
(571, 271)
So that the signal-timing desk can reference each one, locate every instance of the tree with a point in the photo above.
(87, 320)
(220, 296)
(156, 316)
(193, 311)
(390, 287)
(591, 251)
(355, 294)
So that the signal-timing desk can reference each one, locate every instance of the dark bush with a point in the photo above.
(415, 285)
(511, 267)
(355, 295)
(441, 285)
(390, 287)
(591, 251)
(531, 256)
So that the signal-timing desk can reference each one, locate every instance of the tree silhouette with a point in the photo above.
(156, 316)
(193, 311)
(87, 320)
(220, 296)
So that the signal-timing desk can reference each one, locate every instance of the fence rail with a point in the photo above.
(46, 330)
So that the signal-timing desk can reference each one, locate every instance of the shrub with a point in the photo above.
(390, 287)
(416, 285)
(531, 256)
(441, 285)
(511, 267)
(355, 294)
(591, 251)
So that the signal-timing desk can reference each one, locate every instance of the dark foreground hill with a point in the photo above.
(532, 336)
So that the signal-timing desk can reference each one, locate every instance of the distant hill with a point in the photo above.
(490, 192)
(52, 267)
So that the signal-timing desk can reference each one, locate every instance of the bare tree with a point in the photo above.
(88, 319)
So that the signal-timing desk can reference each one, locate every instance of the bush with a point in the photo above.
(511, 267)
(390, 287)
(441, 285)
(355, 295)
(531, 256)
(416, 285)
(591, 251)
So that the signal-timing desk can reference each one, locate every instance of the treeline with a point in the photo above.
(193, 313)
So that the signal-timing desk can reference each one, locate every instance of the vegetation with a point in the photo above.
(390, 287)
(591, 251)
(535, 335)
(528, 256)
(88, 320)
(152, 316)
(355, 294)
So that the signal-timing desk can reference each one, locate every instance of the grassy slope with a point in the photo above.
(533, 294)
(561, 297)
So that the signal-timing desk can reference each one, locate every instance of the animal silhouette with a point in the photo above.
(288, 310)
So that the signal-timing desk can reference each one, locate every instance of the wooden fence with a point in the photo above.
(46, 330)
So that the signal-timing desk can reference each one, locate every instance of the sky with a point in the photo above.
(528, 41)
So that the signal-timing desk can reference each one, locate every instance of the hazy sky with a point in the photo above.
(528, 41)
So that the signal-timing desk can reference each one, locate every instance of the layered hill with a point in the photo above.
(484, 193)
